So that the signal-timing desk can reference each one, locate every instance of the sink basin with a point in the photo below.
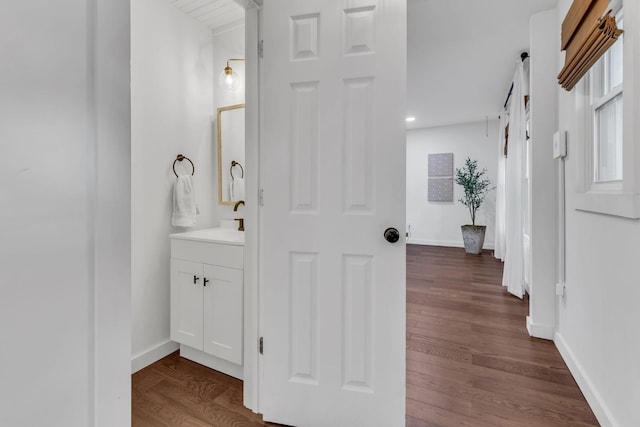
(214, 235)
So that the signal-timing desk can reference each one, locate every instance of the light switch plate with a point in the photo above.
(559, 144)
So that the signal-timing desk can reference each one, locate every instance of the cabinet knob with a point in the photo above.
(205, 281)
(195, 279)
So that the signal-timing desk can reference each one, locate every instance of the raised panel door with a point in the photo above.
(333, 175)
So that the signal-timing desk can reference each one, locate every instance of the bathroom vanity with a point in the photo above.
(207, 297)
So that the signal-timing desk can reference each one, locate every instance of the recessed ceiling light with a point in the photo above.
(410, 119)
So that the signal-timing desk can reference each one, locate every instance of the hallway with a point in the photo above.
(470, 360)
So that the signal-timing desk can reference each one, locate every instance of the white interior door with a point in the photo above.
(333, 164)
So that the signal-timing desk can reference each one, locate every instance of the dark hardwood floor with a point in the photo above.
(470, 361)
(177, 392)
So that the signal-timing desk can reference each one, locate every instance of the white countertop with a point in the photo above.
(213, 235)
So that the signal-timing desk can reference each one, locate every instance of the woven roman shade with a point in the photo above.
(587, 33)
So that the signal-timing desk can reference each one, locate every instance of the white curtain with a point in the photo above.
(500, 231)
(513, 276)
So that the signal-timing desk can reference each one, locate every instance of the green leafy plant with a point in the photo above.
(474, 185)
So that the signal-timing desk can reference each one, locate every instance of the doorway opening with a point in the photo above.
(179, 49)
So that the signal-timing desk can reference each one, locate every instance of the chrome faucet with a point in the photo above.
(240, 220)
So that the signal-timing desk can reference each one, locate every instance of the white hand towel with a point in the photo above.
(236, 189)
(185, 208)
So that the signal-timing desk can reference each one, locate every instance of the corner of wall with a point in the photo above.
(152, 355)
(538, 330)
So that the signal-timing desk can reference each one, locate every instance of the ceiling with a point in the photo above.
(461, 53)
(219, 15)
(461, 56)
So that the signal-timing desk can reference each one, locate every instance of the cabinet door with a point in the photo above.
(223, 313)
(186, 303)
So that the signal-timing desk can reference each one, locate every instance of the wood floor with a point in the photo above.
(470, 361)
(177, 392)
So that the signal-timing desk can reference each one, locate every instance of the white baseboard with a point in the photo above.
(538, 330)
(213, 362)
(447, 243)
(152, 355)
(599, 408)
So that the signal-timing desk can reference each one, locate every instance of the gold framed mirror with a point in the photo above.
(230, 127)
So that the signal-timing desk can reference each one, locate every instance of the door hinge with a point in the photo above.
(261, 197)
(261, 49)
(261, 345)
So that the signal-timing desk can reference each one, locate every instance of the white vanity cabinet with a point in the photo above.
(207, 298)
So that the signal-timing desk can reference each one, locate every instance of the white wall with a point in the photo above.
(544, 40)
(598, 318)
(172, 112)
(438, 223)
(64, 175)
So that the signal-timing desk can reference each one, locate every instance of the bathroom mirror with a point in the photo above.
(230, 154)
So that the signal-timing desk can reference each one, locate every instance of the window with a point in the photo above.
(607, 108)
(606, 138)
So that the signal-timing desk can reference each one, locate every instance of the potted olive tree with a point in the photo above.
(475, 186)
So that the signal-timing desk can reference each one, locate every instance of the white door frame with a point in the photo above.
(252, 236)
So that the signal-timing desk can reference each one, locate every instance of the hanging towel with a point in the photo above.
(185, 208)
(236, 189)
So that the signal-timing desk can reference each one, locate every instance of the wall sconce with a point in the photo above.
(228, 78)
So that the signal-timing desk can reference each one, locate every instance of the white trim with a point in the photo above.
(609, 96)
(447, 243)
(538, 330)
(623, 205)
(252, 228)
(152, 355)
(591, 394)
(211, 361)
(108, 157)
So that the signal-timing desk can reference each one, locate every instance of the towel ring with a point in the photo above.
(234, 163)
(181, 158)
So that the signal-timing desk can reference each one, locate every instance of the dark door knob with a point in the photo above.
(391, 235)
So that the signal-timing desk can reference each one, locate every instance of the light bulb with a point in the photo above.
(229, 80)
